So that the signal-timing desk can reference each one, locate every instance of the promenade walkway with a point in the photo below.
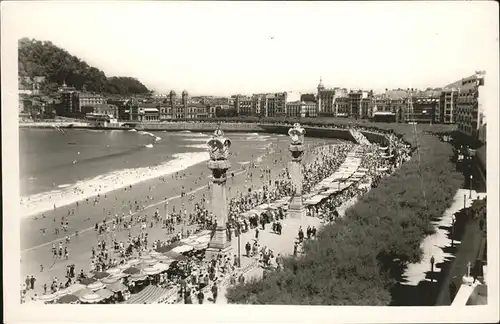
(434, 245)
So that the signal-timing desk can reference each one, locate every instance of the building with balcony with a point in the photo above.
(447, 105)
(301, 109)
(328, 103)
(471, 102)
(197, 111)
(244, 105)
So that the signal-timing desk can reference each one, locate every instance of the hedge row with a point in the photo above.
(357, 260)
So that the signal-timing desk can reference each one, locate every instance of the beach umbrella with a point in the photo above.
(82, 292)
(166, 248)
(91, 298)
(162, 267)
(101, 274)
(161, 257)
(124, 266)
(67, 299)
(105, 293)
(87, 281)
(183, 249)
(95, 286)
(145, 257)
(175, 256)
(48, 297)
(154, 254)
(138, 277)
(64, 292)
(149, 261)
(131, 271)
(151, 271)
(133, 262)
(116, 287)
(114, 271)
(109, 280)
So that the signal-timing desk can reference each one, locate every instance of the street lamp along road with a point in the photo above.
(470, 187)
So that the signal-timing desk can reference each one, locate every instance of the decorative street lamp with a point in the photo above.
(432, 268)
(470, 187)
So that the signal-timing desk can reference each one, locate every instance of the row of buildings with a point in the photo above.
(461, 103)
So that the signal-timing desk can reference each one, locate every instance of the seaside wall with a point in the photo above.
(375, 138)
(320, 132)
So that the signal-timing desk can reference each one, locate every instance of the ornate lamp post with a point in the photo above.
(296, 208)
(219, 151)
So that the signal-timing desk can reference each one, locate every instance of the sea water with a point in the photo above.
(53, 172)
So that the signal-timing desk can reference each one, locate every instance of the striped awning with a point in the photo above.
(148, 295)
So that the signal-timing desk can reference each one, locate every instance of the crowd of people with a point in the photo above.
(194, 275)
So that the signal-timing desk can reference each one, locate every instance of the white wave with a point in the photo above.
(148, 145)
(185, 131)
(194, 134)
(258, 139)
(199, 146)
(64, 185)
(244, 162)
(102, 184)
(132, 130)
(198, 139)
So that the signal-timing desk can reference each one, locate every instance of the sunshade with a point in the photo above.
(116, 287)
(91, 298)
(48, 297)
(67, 299)
(105, 293)
(182, 249)
(133, 262)
(95, 286)
(101, 274)
(109, 280)
(166, 248)
(151, 271)
(138, 277)
(131, 270)
(114, 271)
(87, 281)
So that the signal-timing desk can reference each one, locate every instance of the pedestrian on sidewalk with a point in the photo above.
(201, 297)
(215, 291)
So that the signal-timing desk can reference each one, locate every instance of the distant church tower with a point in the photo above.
(171, 100)
(185, 103)
(320, 88)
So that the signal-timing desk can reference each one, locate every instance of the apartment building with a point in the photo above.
(301, 109)
(331, 102)
(244, 105)
(447, 105)
(471, 102)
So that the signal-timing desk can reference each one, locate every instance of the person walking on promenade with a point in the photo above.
(201, 296)
(256, 233)
(301, 234)
(248, 247)
(215, 291)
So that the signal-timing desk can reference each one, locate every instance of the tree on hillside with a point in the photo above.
(37, 58)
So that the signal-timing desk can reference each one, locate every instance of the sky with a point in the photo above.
(224, 48)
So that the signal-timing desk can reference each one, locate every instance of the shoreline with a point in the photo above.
(34, 254)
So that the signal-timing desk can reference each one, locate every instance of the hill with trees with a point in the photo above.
(44, 59)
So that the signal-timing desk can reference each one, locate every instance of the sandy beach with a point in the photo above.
(36, 248)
